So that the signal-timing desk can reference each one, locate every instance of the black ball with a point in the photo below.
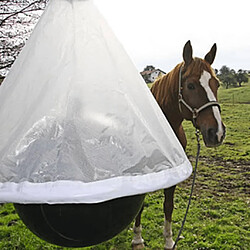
(80, 225)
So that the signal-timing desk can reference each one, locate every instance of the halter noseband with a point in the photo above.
(195, 111)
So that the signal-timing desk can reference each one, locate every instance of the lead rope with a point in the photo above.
(197, 133)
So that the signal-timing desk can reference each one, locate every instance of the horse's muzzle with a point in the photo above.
(212, 137)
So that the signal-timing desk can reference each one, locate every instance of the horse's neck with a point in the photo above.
(166, 92)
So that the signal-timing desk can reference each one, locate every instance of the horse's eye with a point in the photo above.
(191, 86)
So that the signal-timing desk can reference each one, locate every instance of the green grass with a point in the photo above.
(235, 95)
(219, 213)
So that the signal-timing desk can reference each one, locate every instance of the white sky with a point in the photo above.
(154, 32)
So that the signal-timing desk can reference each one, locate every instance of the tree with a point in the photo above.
(149, 68)
(17, 20)
(229, 76)
(226, 76)
(241, 77)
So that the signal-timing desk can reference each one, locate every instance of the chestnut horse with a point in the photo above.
(188, 92)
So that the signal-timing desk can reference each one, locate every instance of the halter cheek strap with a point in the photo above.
(195, 111)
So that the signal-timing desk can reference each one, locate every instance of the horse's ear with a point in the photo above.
(211, 54)
(188, 53)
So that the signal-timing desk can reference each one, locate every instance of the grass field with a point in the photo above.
(219, 213)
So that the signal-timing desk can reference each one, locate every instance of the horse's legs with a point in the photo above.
(137, 242)
(168, 209)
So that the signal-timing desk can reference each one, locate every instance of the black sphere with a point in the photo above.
(80, 225)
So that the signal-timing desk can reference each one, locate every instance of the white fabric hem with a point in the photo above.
(62, 192)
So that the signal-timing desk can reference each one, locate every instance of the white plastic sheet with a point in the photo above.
(78, 123)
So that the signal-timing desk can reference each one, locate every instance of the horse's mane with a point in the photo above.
(165, 89)
(165, 86)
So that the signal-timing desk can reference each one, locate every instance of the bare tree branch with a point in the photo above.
(17, 20)
(20, 11)
(6, 66)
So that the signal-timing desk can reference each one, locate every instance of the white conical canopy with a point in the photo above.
(78, 123)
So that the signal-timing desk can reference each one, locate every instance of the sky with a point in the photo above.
(153, 32)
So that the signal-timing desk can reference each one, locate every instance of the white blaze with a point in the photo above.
(204, 80)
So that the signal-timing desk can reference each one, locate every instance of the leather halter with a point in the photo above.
(195, 111)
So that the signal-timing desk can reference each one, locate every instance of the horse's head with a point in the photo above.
(198, 87)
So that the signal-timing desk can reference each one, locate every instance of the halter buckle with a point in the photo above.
(195, 113)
